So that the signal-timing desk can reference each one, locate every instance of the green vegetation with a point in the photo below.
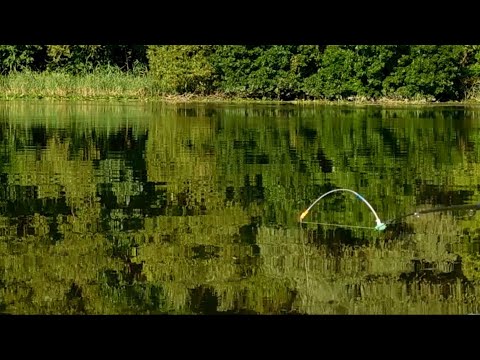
(102, 83)
(269, 72)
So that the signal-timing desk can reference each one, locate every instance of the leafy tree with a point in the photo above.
(274, 72)
(182, 68)
(373, 63)
(471, 64)
(234, 64)
(428, 71)
(74, 58)
(127, 56)
(85, 58)
(271, 77)
(336, 77)
(20, 57)
(352, 71)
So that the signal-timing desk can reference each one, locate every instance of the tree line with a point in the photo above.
(280, 72)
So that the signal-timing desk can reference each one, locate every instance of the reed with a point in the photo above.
(102, 83)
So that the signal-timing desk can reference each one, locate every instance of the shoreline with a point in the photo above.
(216, 99)
(119, 87)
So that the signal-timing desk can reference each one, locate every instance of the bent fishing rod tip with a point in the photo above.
(380, 226)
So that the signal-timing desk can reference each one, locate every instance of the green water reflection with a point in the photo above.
(193, 209)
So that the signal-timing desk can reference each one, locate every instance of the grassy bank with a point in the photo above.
(112, 84)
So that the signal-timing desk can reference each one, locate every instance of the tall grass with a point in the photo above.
(103, 83)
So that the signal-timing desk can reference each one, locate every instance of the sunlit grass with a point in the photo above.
(106, 83)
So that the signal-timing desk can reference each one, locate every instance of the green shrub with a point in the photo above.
(428, 71)
(336, 76)
(346, 71)
(182, 69)
(268, 71)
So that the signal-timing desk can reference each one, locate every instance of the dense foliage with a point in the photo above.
(281, 72)
(70, 58)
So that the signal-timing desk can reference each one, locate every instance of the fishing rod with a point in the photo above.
(380, 226)
(436, 209)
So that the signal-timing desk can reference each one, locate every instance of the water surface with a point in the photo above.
(131, 208)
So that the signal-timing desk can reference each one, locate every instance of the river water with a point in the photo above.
(139, 208)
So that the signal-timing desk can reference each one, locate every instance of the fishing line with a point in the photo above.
(328, 224)
(305, 263)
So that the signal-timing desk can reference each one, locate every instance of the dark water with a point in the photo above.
(194, 209)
